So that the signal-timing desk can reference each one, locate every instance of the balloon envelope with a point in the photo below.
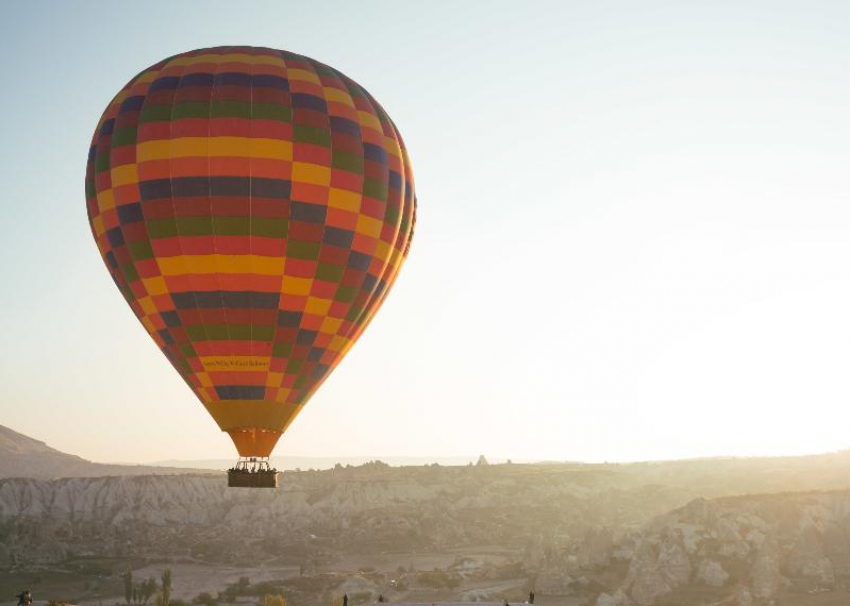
(254, 207)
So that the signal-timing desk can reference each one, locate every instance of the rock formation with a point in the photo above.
(745, 551)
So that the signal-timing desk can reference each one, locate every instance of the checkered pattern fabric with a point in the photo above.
(254, 207)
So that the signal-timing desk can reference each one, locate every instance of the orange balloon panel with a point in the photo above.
(254, 207)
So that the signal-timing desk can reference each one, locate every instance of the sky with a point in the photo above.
(633, 239)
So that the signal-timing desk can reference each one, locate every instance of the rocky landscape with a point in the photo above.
(732, 532)
(737, 551)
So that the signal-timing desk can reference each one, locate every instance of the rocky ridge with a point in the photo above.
(25, 457)
(370, 508)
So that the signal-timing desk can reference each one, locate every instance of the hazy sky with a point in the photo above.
(633, 239)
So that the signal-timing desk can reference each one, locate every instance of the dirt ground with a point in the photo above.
(51, 585)
(389, 562)
(191, 579)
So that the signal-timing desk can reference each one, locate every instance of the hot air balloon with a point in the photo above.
(254, 207)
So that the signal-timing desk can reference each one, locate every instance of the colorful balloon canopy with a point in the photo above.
(254, 207)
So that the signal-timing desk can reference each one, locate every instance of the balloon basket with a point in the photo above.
(252, 472)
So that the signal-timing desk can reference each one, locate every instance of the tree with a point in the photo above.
(128, 584)
(166, 587)
(147, 589)
(205, 599)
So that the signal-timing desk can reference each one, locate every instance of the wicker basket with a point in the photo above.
(256, 479)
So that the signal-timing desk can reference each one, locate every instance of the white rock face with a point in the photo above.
(656, 570)
(618, 599)
(756, 538)
(731, 543)
(766, 579)
(711, 573)
(674, 562)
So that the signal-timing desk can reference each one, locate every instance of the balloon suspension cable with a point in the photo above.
(252, 472)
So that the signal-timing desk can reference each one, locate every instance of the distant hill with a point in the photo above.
(25, 457)
(291, 463)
